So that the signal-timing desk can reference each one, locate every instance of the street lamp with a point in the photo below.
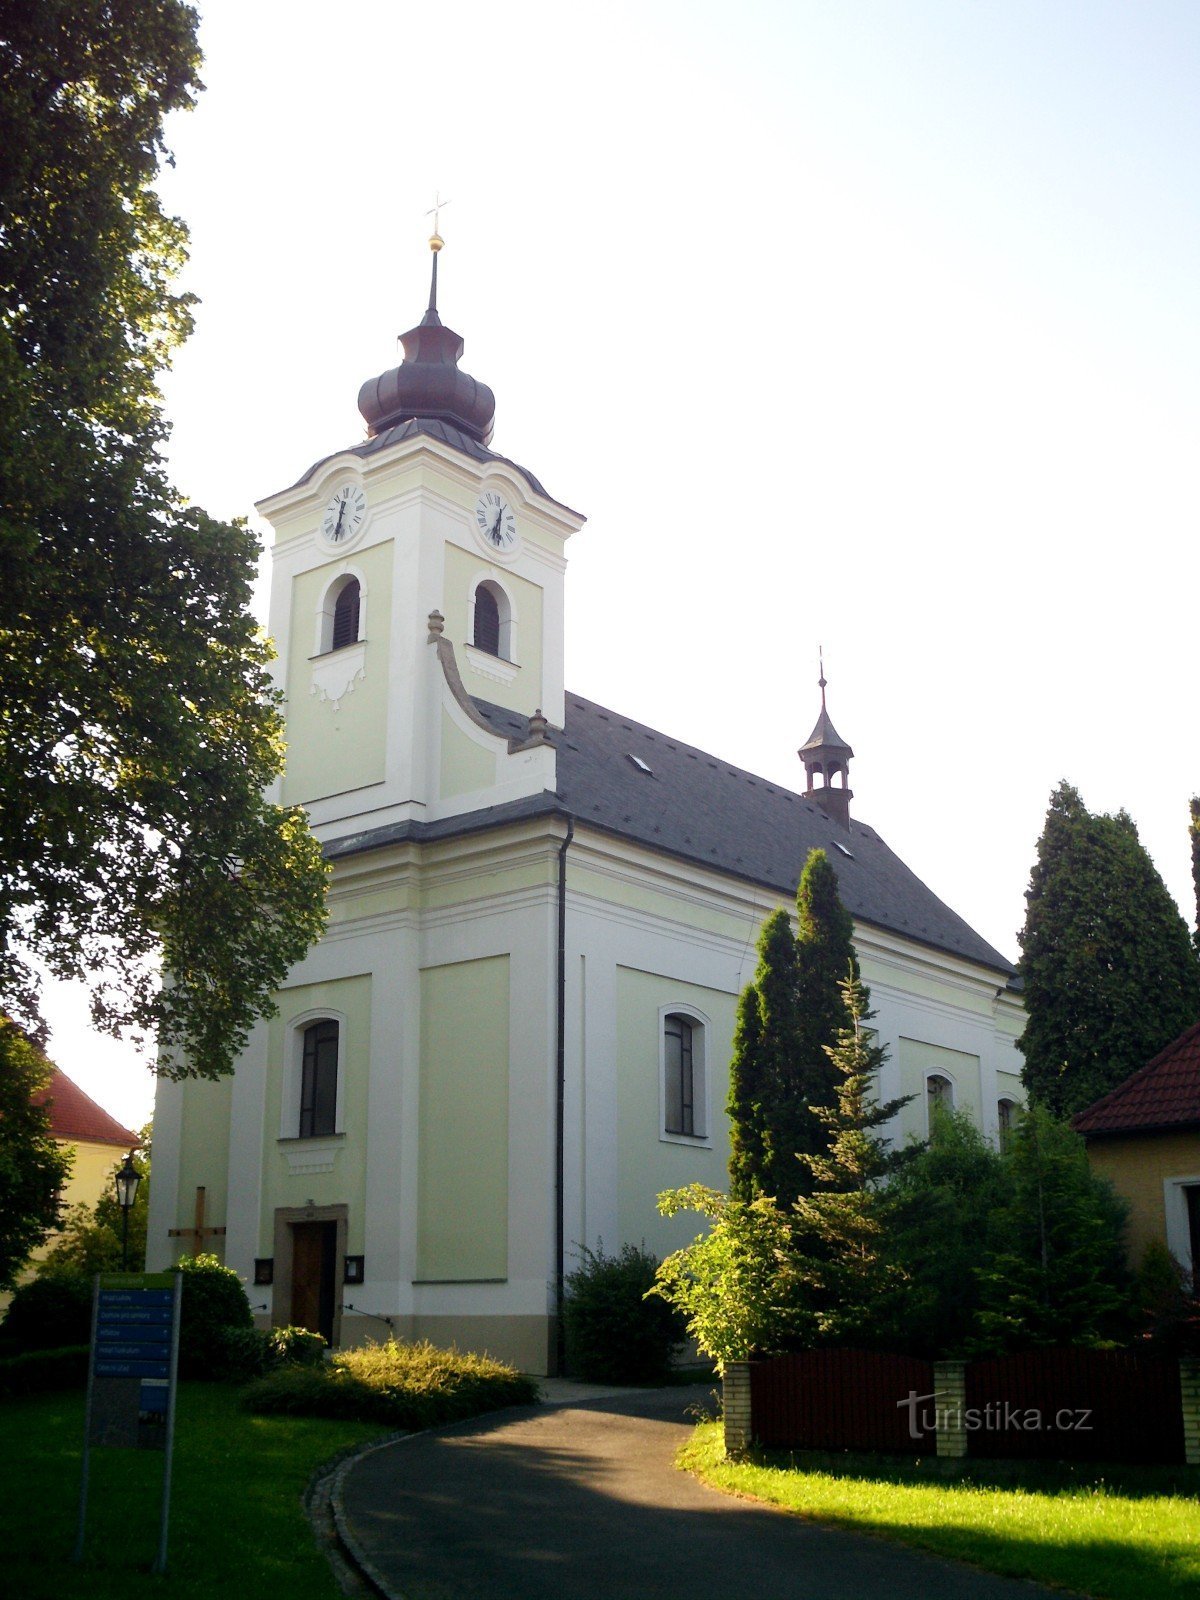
(128, 1179)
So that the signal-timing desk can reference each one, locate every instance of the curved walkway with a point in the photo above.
(575, 1501)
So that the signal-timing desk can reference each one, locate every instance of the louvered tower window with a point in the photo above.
(345, 616)
(487, 621)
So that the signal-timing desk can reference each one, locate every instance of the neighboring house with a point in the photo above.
(97, 1140)
(1144, 1137)
(516, 1030)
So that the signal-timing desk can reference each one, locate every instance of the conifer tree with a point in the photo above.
(787, 1020)
(1111, 974)
(841, 1226)
(1194, 830)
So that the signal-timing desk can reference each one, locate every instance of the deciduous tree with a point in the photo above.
(140, 728)
(32, 1166)
(1111, 975)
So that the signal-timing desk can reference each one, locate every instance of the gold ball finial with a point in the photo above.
(435, 242)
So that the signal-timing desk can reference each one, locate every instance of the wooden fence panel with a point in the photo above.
(842, 1400)
(1075, 1405)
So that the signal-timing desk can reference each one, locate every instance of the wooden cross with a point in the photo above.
(197, 1233)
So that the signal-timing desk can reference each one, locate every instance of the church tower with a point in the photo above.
(415, 575)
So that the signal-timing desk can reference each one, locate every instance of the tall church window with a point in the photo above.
(1007, 1112)
(487, 621)
(318, 1080)
(939, 1091)
(345, 615)
(683, 1087)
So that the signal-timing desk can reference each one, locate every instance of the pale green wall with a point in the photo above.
(525, 692)
(330, 752)
(345, 1185)
(462, 1179)
(917, 1061)
(203, 1159)
(466, 766)
(646, 1163)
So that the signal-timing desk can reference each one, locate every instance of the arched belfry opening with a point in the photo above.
(826, 757)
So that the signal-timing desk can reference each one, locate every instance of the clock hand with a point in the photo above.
(337, 527)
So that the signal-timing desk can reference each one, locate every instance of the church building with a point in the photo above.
(517, 1027)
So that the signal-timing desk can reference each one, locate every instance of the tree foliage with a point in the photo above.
(787, 1020)
(615, 1330)
(1194, 834)
(1054, 1272)
(140, 728)
(1110, 974)
(32, 1166)
(840, 1227)
(738, 1284)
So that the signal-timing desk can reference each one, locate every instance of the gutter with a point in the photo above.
(560, 1063)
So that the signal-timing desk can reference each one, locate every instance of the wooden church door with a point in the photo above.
(314, 1262)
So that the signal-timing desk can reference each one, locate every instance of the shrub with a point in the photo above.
(404, 1386)
(38, 1371)
(49, 1311)
(214, 1305)
(614, 1334)
(253, 1352)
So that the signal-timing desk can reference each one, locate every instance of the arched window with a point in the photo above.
(1007, 1112)
(318, 1080)
(345, 615)
(683, 1084)
(939, 1091)
(487, 620)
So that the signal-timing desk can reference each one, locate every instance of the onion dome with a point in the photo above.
(428, 383)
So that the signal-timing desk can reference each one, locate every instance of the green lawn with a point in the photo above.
(1121, 1533)
(237, 1523)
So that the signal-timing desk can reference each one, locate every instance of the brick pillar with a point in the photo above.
(1189, 1384)
(950, 1381)
(735, 1385)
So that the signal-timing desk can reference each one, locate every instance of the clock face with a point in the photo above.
(494, 521)
(344, 514)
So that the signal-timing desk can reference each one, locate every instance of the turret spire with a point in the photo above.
(826, 753)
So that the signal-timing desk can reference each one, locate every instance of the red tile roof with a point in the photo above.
(1164, 1094)
(75, 1116)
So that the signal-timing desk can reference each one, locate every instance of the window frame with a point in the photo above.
(507, 618)
(951, 1101)
(701, 1027)
(327, 607)
(293, 1087)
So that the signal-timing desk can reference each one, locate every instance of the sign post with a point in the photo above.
(132, 1378)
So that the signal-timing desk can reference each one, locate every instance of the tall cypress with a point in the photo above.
(1111, 974)
(1194, 830)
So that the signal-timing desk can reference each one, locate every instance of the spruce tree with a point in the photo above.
(763, 1052)
(1110, 972)
(1194, 830)
(841, 1226)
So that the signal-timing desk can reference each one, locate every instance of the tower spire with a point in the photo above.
(435, 244)
(827, 755)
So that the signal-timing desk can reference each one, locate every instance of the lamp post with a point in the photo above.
(128, 1179)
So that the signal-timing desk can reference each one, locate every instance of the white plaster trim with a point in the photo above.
(1179, 1241)
(487, 666)
(305, 1157)
(335, 675)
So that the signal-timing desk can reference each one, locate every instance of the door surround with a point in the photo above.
(281, 1299)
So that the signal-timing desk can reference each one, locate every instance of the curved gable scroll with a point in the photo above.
(445, 652)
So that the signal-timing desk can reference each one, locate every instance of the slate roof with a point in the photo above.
(1164, 1095)
(701, 809)
(76, 1118)
(446, 433)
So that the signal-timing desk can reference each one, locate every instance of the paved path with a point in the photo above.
(578, 1502)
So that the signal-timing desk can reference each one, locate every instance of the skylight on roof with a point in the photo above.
(640, 764)
(838, 845)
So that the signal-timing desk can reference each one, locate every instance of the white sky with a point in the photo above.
(868, 323)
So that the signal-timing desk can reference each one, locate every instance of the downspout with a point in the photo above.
(560, 1049)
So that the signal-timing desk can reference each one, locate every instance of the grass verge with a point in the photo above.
(237, 1523)
(1117, 1533)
